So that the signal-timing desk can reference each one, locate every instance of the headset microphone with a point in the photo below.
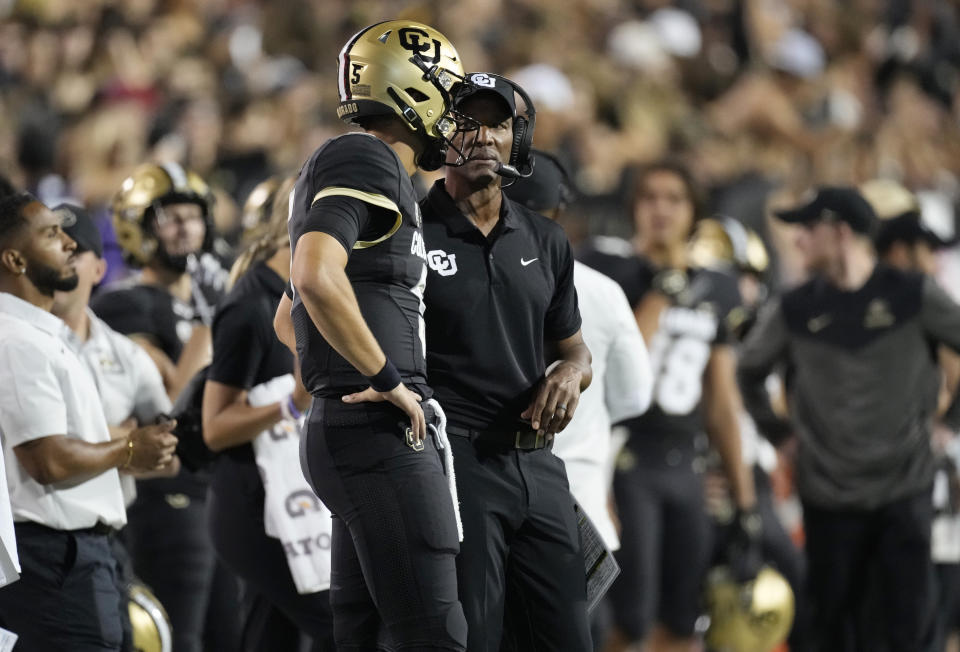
(507, 171)
(511, 172)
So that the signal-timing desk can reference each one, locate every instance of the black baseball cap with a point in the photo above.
(78, 224)
(907, 227)
(834, 204)
(482, 82)
(544, 190)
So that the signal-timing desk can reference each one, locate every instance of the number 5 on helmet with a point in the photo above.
(402, 68)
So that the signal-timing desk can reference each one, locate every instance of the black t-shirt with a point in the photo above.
(386, 266)
(492, 304)
(246, 351)
(697, 319)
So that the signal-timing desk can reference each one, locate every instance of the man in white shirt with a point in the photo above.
(61, 462)
(129, 383)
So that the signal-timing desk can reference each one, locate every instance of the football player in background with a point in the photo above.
(683, 314)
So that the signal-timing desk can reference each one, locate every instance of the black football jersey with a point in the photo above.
(697, 319)
(132, 308)
(388, 272)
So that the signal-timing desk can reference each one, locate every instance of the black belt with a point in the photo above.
(100, 529)
(520, 439)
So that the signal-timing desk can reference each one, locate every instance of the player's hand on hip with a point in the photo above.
(404, 399)
(556, 400)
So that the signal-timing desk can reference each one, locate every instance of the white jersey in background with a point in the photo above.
(621, 388)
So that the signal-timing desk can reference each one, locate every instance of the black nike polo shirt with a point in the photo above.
(492, 302)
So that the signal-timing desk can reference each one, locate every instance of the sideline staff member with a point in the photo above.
(861, 339)
(64, 487)
(500, 292)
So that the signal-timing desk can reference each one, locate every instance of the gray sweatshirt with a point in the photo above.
(862, 382)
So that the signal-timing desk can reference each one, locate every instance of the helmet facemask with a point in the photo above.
(159, 214)
(404, 69)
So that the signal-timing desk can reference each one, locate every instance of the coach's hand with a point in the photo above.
(404, 399)
(556, 399)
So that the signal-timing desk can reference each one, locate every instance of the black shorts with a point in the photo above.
(665, 549)
(394, 543)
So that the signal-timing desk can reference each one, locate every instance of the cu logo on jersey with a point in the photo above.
(483, 79)
(441, 262)
(410, 40)
(300, 502)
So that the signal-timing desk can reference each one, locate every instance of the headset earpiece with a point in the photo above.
(516, 150)
(521, 157)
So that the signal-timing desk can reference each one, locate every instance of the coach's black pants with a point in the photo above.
(393, 581)
(519, 534)
(235, 507)
(844, 547)
(67, 598)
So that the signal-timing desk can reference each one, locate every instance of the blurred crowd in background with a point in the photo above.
(762, 98)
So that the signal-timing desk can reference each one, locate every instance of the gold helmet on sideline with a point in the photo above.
(149, 621)
(149, 187)
(723, 242)
(258, 208)
(402, 68)
(751, 617)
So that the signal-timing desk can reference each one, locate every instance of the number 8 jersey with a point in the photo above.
(699, 317)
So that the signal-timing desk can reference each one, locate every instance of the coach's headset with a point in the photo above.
(521, 161)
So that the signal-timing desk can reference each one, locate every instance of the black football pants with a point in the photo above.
(393, 580)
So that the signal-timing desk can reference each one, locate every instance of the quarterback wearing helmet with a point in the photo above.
(356, 305)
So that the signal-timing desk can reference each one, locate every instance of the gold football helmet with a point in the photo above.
(751, 617)
(149, 187)
(149, 621)
(258, 208)
(401, 68)
(727, 243)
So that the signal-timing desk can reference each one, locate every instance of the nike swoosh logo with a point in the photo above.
(527, 262)
(819, 323)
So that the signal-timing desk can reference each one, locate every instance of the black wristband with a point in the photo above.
(386, 379)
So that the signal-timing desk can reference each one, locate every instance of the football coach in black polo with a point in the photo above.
(500, 303)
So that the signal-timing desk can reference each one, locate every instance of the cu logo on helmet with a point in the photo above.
(441, 262)
(483, 79)
(410, 39)
(300, 502)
